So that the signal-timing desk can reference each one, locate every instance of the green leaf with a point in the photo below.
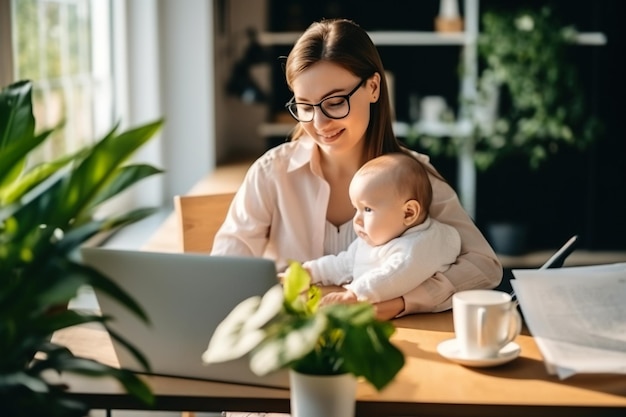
(16, 114)
(83, 366)
(134, 385)
(358, 314)
(143, 361)
(100, 167)
(22, 379)
(296, 339)
(97, 280)
(46, 325)
(368, 352)
(61, 291)
(123, 178)
(85, 229)
(231, 339)
(12, 157)
(296, 281)
(39, 211)
(35, 176)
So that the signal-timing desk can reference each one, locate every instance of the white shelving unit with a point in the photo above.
(408, 38)
(466, 181)
(380, 38)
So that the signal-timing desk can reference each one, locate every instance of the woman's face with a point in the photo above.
(323, 80)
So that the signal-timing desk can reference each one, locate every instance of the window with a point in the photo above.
(64, 47)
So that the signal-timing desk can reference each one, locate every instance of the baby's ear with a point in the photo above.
(412, 212)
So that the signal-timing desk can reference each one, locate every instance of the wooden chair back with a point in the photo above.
(198, 218)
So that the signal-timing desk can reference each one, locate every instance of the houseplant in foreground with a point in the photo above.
(288, 329)
(46, 212)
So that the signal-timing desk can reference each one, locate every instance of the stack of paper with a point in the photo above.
(577, 316)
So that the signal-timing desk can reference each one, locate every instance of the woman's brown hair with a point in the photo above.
(345, 43)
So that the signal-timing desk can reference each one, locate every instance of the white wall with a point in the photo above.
(169, 73)
(187, 64)
(138, 80)
(179, 54)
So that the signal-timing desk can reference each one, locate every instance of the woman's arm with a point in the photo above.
(245, 229)
(387, 310)
(476, 267)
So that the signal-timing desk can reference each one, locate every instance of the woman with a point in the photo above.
(294, 202)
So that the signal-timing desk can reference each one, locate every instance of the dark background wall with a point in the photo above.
(575, 192)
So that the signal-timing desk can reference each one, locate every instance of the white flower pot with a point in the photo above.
(322, 395)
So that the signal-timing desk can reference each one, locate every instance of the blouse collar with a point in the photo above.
(306, 152)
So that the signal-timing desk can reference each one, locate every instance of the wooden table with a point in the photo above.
(428, 385)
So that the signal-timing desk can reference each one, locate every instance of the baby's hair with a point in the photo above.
(405, 175)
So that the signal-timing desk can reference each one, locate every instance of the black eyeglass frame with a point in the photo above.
(344, 96)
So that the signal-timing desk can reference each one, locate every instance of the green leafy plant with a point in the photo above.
(287, 328)
(46, 212)
(533, 87)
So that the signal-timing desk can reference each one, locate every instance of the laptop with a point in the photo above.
(185, 296)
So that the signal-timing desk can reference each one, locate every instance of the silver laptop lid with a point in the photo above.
(185, 297)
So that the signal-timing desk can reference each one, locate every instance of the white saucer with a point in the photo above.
(450, 350)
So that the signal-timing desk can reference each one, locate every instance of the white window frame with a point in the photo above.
(6, 48)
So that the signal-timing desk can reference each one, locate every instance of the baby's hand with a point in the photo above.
(339, 297)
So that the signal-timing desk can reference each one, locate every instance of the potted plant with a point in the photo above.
(529, 103)
(288, 329)
(46, 212)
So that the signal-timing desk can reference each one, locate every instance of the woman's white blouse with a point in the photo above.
(337, 239)
(279, 212)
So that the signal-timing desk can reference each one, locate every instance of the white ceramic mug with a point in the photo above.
(484, 322)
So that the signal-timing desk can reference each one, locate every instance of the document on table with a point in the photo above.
(577, 316)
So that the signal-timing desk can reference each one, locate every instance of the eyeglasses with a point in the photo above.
(335, 107)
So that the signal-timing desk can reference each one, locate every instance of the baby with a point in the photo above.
(398, 246)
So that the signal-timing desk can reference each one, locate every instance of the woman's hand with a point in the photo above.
(327, 289)
(339, 297)
(387, 310)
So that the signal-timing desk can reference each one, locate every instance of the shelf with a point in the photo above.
(388, 38)
(461, 128)
(412, 38)
(591, 38)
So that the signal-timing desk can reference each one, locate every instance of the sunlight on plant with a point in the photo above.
(46, 213)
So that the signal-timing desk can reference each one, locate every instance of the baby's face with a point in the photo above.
(379, 213)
